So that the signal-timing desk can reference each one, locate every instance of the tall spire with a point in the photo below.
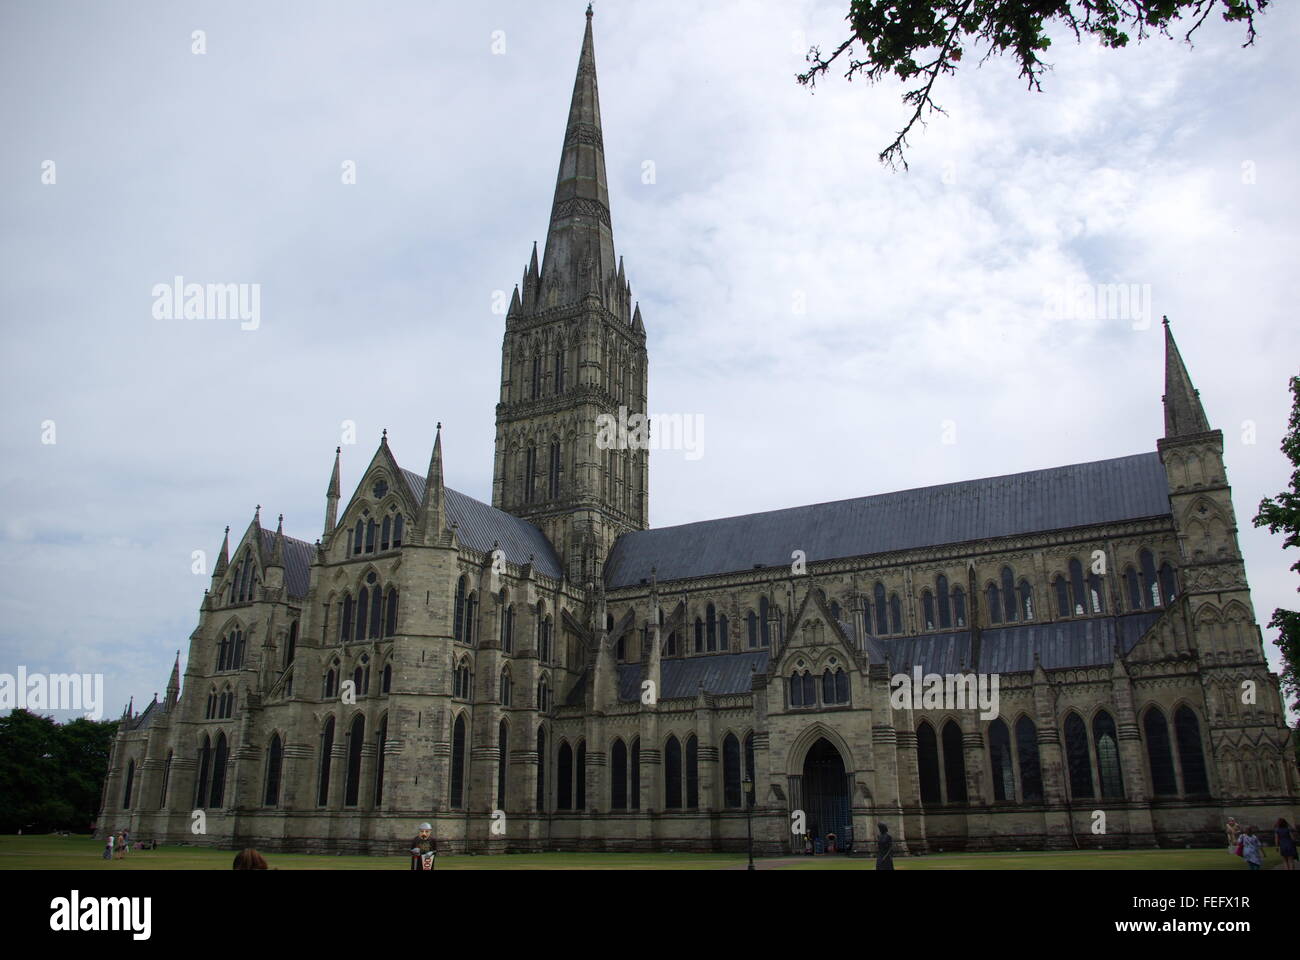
(223, 558)
(580, 241)
(434, 519)
(1184, 415)
(332, 499)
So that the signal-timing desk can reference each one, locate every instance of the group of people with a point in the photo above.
(1244, 842)
(117, 844)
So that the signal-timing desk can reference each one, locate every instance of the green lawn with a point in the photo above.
(83, 853)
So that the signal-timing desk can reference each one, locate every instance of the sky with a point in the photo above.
(380, 172)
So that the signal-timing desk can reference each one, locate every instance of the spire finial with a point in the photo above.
(588, 11)
(384, 437)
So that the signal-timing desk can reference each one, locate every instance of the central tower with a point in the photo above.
(573, 365)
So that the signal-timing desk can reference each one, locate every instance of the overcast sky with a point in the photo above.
(831, 321)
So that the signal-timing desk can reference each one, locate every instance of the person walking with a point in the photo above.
(885, 850)
(1285, 838)
(1234, 835)
(108, 846)
(1251, 851)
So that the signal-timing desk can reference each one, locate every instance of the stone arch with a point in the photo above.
(808, 738)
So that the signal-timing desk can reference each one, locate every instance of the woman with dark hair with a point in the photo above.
(1285, 838)
(249, 859)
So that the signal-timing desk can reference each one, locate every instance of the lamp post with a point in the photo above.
(748, 784)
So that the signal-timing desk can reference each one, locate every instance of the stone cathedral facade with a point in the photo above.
(546, 672)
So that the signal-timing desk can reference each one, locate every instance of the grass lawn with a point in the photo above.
(84, 853)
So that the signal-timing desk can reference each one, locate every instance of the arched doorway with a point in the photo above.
(824, 789)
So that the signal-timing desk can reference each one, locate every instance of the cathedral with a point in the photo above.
(547, 672)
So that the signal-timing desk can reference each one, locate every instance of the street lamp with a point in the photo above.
(748, 783)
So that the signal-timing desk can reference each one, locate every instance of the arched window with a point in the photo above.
(541, 769)
(537, 376)
(796, 690)
(927, 606)
(1191, 757)
(1031, 775)
(458, 628)
(895, 614)
(398, 524)
(358, 680)
(345, 619)
(1004, 786)
(212, 704)
(507, 688)
(219, 755)
(385, 533)
(352, 782)
(692, 772)
(841, 687)
(363, 607)
(1062, 589)
(543, 696)
(1168, 585)
(356, 537)
(635, 773)
(954, 763)
(130, 782)
(458, 763)
(376, 618)
(205, 771)
(461, 680)
(711, 627)
(927, 760)
(1009, 594)
(809, 689)
(503, 743)
(1134, 589)
(1026, 597)
(751, 628)
(1108, 771)
(388, 678)
(326, 757)
(559, 371)
(618, 776)
(1079, 607)
(1159, 754)
(370, 535)
(1150, 585)
(994, 603)
(828, 686)
(882, 617)
(959, 606)
(1096, 595)
(246, 581)
(731, 770)
(238, 659)
(508, 629)
(553, 471)
(1076, 755)
(945, 611)
(699, 635)
(764, 628)
(390, 613)
(835, 609)
(381, 738)
(673, 774)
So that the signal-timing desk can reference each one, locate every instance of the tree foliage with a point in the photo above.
(1281, 514)
(919, 40)
(51, 774)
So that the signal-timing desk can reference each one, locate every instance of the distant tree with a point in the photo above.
(1281, 514)
(922, 39)
(51, 774)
